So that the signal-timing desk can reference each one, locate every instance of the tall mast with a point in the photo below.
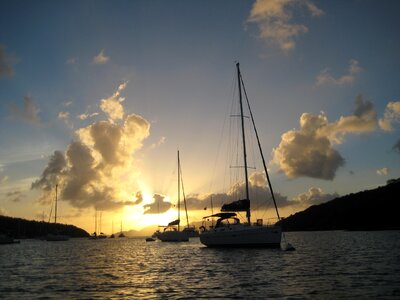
(179, 192)
(55, 209)
(244, 141)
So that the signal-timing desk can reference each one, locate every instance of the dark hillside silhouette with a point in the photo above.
(376, 209)
(21, 228)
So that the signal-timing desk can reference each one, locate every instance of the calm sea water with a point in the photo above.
(325, 265)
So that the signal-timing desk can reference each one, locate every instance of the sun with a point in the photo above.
(136, 218)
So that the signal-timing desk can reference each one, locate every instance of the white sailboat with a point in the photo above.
(55, 237)
(172, 232)
(228, 230)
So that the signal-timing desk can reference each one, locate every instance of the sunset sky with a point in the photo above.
(99, 95)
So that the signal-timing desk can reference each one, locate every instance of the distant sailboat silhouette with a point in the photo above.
(94, 234)
(56, 237)
(172, 231)
(101, 235)
(112, 230)
(121, 234)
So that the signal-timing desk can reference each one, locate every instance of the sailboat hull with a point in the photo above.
(173, 236)
(242, 236)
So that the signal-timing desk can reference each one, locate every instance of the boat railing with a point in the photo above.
(269, 222)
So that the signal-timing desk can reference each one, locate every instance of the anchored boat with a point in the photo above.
(228, 231)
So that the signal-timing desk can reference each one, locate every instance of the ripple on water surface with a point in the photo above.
(334, 264)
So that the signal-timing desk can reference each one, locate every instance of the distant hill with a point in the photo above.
(147, 231)
(376, 209)
(21, 228)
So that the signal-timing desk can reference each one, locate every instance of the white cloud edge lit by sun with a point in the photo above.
(98, 168)
(101, 58)
(274, 19)
(391, 116)
(383, 172)
(325, 77)
(309, 151)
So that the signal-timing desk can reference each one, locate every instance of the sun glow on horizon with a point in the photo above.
(136, 217)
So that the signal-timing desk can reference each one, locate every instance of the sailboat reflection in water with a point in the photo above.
(228, 230)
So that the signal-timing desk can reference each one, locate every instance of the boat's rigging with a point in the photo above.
(229, 231)
(226, 116)
(183, 194)
(55, 210)
(170, 232)
(179, 194)
(51, 211)
(55, 207)
(259, 146)
(241, 150)
(235, 183)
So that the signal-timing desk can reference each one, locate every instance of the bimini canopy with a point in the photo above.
(239, 205)
(176, 222)
(221, 215)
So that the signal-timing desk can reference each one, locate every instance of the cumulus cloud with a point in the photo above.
(325, 78)
(314, 196)
(158, 206)
(391, 115)
(112, 106)
(309, 151)
(29, 113)
(3, 212)
(71, 61)
(52, 173)
(260, 196)
(274, 17)
(85, 116)
(139, 198)
(65, 117)
(382, 172)
(6, 63)
(67, 103)
(99, 169)
(158, 144)
(203, 201)
(363, 120)
(15, 196)
(396, 146)
(101, 58)
(3, 178)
